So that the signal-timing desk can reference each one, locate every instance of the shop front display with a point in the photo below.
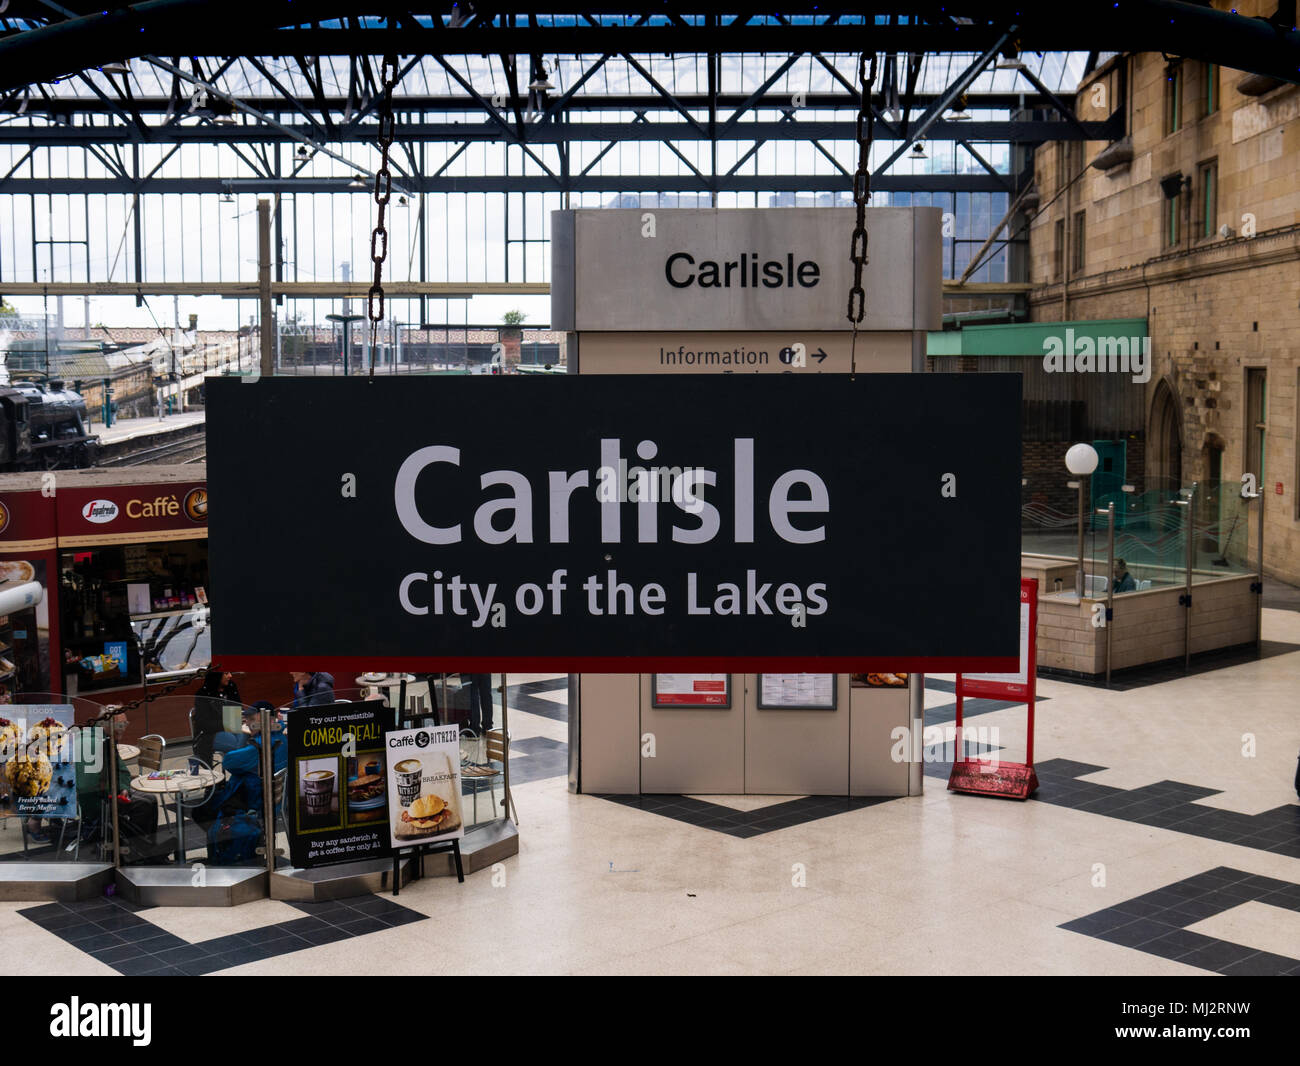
(96, 571)
(27, 567)
(132, 560)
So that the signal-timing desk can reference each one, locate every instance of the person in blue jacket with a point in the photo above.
(312, 689)
(242, 760)
(244, 765)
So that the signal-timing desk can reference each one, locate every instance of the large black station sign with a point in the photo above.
(616, 523)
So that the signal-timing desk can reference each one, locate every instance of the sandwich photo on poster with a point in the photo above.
(39, 769)
(424, 801)
(337, 803)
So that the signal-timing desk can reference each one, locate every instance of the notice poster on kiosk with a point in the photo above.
(424, 799)
(690, 690)
(337, 805)
(812, 692)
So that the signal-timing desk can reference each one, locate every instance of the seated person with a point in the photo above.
(137, 813)
(242, 761)
(218, 690)
(1123, 579)
(312, 688)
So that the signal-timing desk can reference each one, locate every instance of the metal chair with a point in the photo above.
(151, 752)
(278, 781)
(150, 760)
(476, 774)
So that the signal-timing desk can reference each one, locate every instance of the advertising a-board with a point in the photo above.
(337, 776)
(424, 798)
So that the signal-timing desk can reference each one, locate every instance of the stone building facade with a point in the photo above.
(1193, 222)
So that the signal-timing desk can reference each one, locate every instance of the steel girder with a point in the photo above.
(622, 183)
(37, 48)
(1026, 132)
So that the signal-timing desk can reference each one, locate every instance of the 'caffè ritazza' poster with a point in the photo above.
(424, 798)
(338, 784)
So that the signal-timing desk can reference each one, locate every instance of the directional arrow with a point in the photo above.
(819, 355)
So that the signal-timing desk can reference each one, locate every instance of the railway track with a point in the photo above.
(189, 450)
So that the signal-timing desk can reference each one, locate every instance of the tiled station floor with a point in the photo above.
(1165, 839)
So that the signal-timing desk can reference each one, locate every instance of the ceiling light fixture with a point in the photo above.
(1010, 59)
(540, 83)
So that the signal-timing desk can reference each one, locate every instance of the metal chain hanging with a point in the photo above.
(383, 193)
(861, 193)
(154, 694)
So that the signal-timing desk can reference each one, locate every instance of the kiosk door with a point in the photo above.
(797, 734)
(698, 727)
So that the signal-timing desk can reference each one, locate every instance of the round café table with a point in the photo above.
(128, 752)
(389, 685)
(181, 782)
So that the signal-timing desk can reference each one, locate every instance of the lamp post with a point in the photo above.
(1185, 497)
(347, 321)
(1257, 586)
(1080, 460)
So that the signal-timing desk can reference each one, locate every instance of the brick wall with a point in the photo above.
(1045, 475)
(1148, 627)
(1214, 306)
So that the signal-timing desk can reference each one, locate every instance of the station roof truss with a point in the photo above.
(287, 86)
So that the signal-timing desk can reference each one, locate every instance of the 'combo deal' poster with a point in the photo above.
(338, 806)
(424, 801)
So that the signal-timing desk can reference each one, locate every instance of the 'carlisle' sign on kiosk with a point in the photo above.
(618, 523)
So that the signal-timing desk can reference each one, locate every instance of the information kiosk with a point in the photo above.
(690, 292)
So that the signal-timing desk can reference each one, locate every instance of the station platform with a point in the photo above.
(335, 370)
(129, 429)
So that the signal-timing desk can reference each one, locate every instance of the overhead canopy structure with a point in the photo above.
(48, 40)
(143, 105)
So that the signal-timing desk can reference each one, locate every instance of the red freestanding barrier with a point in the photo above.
(997, 778)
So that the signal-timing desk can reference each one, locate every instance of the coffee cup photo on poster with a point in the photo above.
(316, 794)
(424, 791)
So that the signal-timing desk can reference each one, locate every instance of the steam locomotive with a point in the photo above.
(43, 427)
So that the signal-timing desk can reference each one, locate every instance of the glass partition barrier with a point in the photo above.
(186, 772)
(1153, 540)
(1152, 528)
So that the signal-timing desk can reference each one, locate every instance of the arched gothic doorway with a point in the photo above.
(1164, 441)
